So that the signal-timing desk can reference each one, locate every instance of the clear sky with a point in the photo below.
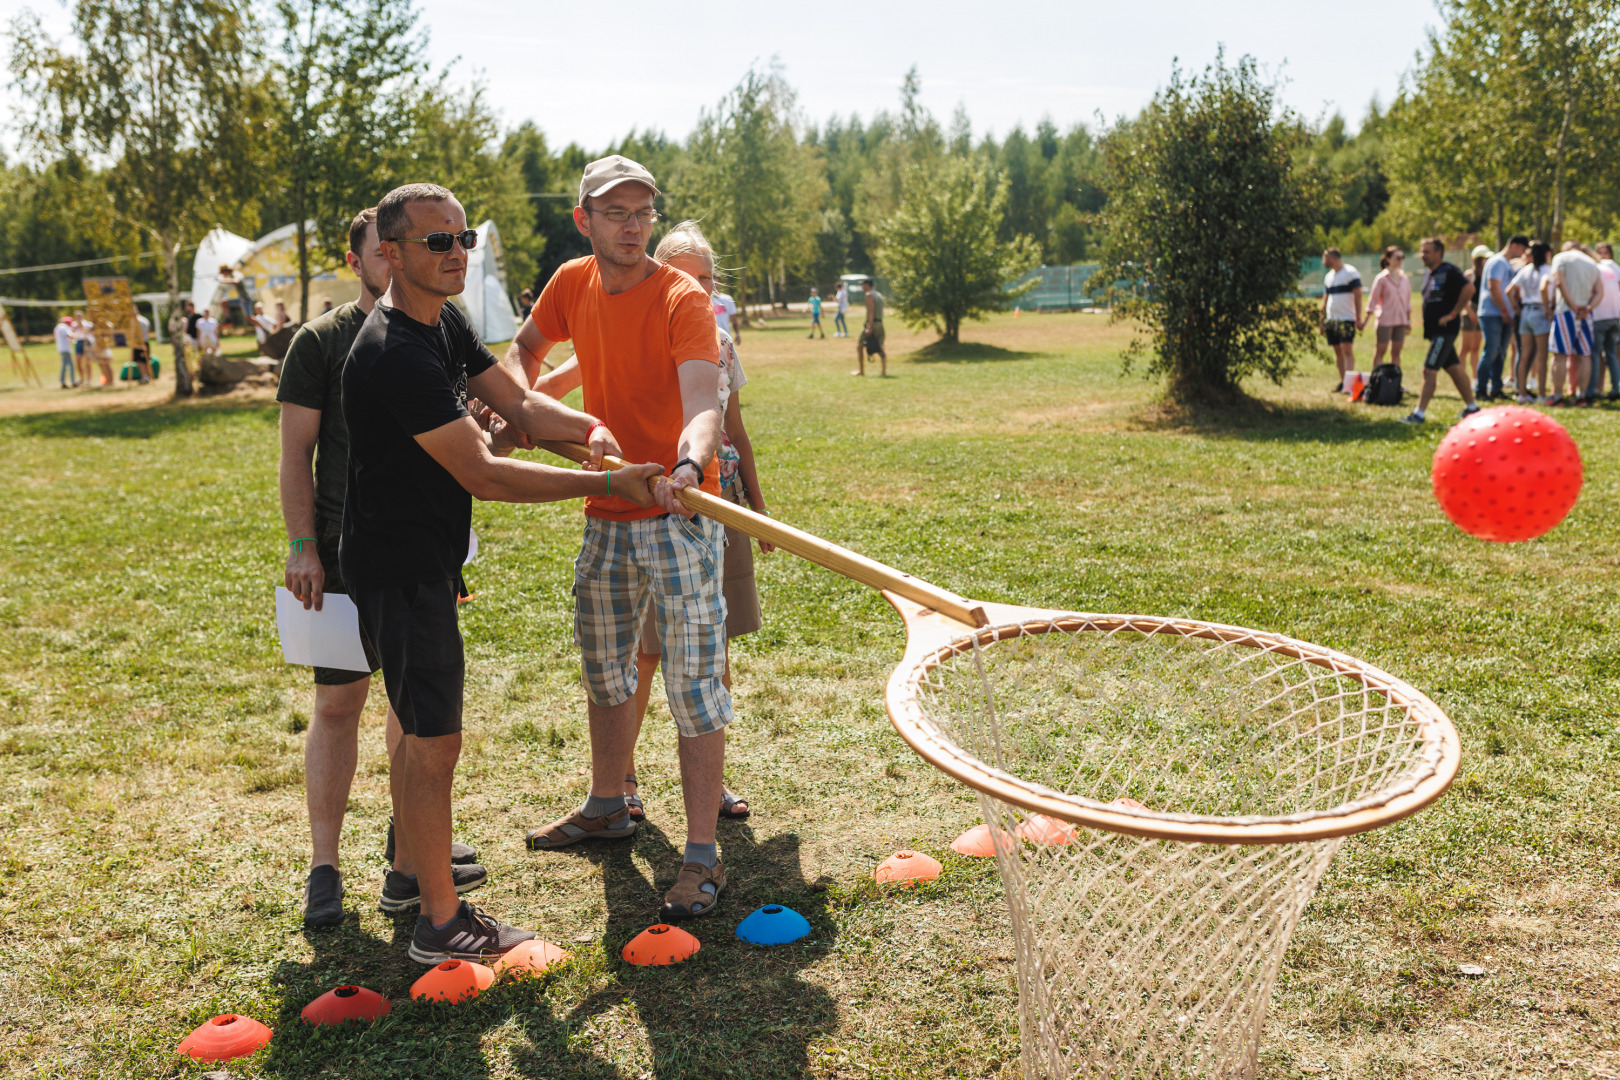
(588, 73)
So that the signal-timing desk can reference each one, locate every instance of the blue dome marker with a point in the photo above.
(773, 924)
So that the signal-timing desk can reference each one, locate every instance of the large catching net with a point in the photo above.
(1164, 797)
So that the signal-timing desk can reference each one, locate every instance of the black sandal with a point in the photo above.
(729, 801)
(633, 802)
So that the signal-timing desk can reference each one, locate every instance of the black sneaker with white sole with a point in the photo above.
(323, 896)
(460, 854)
(471, 935)
(400, 891)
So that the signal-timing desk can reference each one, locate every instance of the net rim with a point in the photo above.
(1431, 773)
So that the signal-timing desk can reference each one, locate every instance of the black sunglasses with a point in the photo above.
(441, 242)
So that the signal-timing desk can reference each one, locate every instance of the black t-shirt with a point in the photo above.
(1440, 291)
(312, 376)
(192, 319)
(405, 518)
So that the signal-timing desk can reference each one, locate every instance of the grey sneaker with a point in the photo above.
(471, 935)
(460, 854)
(1412, 418)
(323, 896)
(400, 891)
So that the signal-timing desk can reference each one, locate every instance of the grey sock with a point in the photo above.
(707, 854)
(598, 807)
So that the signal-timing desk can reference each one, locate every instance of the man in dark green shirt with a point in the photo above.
(313, 432)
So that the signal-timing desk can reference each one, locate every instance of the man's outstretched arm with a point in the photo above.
(466, 454)
(539, 416)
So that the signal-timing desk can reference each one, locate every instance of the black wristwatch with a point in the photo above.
(688, 461)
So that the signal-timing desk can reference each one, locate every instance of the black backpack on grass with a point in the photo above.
(1383, 386)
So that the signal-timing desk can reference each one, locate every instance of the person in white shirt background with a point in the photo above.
(1534, 322)
(64, 349)
(841, 316)
(263, 325)
(725, 315)
(1606, 328)
(208, 334)
(1341, 311)
(1573, 291)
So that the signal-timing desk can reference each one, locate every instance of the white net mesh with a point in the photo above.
(1145, 957)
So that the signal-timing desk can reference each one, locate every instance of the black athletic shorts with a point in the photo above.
(1442, 353)
(419, 643)
(1340, 331)
(327, 548)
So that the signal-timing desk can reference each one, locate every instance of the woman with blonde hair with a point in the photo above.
(1390, 303)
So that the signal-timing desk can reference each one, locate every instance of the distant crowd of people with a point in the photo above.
(1548, 322)
(79, 351)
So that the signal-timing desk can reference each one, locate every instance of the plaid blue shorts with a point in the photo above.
(675, 564)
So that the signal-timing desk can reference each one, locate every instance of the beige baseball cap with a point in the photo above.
(604, 174)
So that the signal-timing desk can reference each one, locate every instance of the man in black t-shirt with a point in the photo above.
(1446, 292)
(416, 459)
(314, 473)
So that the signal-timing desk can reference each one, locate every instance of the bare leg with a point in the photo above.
(1378, 352)
(613, 744)
(885, 358)
(1395, 350)
(860, 354)
(1580, 374)
(703, 762)
(1558, 363)
(646, 664)
(1465, 385)
(330, 751)
(1427, 395)
(421, 777)
(1541, 364)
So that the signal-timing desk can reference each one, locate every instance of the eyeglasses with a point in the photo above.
(619, 217)
(441, 242)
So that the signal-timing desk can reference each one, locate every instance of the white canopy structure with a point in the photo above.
(268, 268)
(486, 301)
(219, 248)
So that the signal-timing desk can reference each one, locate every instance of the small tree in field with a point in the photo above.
(939, 249)
(1207, 222)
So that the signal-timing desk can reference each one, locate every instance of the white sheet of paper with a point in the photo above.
(472, 547)
(326, 638)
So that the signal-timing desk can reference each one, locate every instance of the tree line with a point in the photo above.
(159, 120)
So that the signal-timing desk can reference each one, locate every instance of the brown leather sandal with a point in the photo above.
(638, 813)
(576, 827)
(688, 898)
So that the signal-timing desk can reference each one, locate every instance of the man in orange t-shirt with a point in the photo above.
(649, 362)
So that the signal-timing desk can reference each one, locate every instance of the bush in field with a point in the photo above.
(1207, 221)
(939, 249)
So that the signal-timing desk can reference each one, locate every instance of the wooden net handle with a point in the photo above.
(804, 545)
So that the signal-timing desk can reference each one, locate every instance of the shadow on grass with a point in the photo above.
(133, 423)
(734, 1009)
(966, 352)
(1270, 421)
(416, 1039)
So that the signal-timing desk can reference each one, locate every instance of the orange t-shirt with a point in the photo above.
(629, 347)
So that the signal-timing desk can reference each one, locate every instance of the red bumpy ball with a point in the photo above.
(1507, 474)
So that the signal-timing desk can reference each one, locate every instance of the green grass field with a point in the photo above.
(153, 848)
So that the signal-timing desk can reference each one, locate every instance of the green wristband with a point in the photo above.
(609, 473)
(298, 544)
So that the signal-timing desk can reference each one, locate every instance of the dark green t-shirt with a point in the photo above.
(312, 376)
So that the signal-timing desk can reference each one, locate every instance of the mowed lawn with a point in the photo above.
(154, 844)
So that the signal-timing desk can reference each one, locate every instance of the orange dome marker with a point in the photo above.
(453, 980)
(225, 1037)
(530, 958)
(904, 867)
(1046, 831)
(660, 944)
(1126, 800)
(344, 1003)
(979, 842)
